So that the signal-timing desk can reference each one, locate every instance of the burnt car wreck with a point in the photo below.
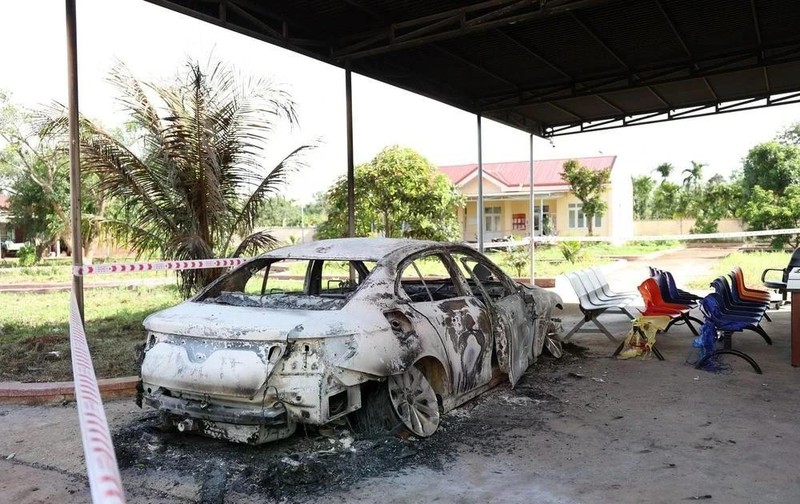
(311, 333)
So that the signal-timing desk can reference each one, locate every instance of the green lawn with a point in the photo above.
(752, 263)
(31, 325)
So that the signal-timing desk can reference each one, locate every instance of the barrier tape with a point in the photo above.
(98, 450)
(100, 269)
(677, 237)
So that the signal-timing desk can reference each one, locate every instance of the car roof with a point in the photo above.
(359, 249)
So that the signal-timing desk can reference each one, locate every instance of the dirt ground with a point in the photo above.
(582, 429)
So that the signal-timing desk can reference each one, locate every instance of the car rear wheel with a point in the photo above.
(414, 401)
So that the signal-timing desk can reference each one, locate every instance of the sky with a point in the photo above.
(155, 43)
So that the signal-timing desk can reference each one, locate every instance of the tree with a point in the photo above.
(36, 174)
(196, 183)
(666, 199)
(642, 190)
(717, 199)
(693, 175)
(771, 165)
(280, 211)
(791, 135)
(765, 209)
(397, 194)
(588, 186)
(665, 170)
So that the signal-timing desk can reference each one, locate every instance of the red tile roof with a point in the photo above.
(516, 173)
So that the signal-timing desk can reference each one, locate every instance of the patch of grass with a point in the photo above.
(752, 264)
(36, 324)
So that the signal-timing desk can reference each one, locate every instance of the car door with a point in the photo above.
(512, 317)
(426, 281)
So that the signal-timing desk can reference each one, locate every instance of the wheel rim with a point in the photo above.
(414, 401)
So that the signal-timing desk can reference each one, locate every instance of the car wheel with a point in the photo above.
(414, 402)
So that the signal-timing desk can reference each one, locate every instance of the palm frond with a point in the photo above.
(260, 241)
(246, 217)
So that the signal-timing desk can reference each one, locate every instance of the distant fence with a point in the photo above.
(680, 226)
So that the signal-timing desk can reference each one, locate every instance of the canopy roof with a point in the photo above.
(548, 67)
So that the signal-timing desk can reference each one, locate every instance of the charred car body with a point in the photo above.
(281, 340)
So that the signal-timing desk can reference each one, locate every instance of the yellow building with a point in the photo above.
(506, 196)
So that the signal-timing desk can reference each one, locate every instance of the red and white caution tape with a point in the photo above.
(99, 269)
(98, 450)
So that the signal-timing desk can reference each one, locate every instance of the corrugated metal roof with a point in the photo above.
(546, 172)
(544, 67)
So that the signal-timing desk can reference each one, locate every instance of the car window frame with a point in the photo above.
(509, 284)
(444, 256)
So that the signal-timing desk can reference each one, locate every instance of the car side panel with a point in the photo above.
(465, 331)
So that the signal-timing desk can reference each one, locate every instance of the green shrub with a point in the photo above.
(27, 255)
(571, 250)
(517, 258)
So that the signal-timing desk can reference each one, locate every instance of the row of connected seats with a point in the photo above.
(733, 307)
(595, 297)
(662, 297)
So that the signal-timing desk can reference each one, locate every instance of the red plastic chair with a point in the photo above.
(654, 305)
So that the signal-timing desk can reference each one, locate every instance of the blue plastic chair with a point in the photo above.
(712, 307)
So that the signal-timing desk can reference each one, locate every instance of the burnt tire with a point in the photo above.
(375, 416)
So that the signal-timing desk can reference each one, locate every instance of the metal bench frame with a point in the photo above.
(593, 301)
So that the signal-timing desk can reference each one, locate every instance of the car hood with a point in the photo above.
(217, 321)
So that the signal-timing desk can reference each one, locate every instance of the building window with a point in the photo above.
(577, 220)
(491, 216)
(518, 222)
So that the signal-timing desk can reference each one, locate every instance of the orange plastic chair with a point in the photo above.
(746, 292)
(654, 305)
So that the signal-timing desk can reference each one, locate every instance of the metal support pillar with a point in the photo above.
(351, 179)
(531, 209)
(74, 151)
(479, 214)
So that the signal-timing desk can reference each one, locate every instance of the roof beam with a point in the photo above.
(672, 115)
(717, 65)
(674, 29)
(533, 53)
(474, 65)
(456, 23)
(370, 11)
(756, 26)
(599, 41)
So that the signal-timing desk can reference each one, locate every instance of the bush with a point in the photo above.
(571, 250)
(27, 255)
(517, 258)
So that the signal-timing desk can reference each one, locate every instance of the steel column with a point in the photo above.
(531, 210)
(74, 151)
(479, 213)
(351, 181)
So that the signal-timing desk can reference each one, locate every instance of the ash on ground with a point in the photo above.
(316, 460)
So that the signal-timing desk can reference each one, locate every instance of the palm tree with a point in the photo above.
(196, 181)
(693, 175)
(665, 170)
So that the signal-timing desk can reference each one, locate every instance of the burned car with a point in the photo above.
(311, 333)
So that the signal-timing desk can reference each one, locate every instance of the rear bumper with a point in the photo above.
(266, 416)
